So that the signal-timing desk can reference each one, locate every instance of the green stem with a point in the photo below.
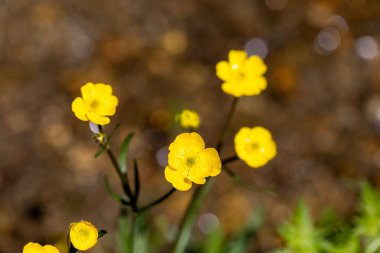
(188, 219)
(230, 159)
(123, 176)
(157, 201)
(223, 133)
(133, 233)
(184, 234)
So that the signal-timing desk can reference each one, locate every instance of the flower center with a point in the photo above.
(83, 235)
(239, 75)
(94, 105)
(190, 161)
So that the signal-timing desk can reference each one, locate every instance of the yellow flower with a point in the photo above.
(96, 103)
(255, 146)
(83, 235)
(189, 161)
(242, 76)
(188, 119)
(37, 248)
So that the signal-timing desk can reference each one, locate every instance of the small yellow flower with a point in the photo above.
(255, 146)
(189, 161)
(83, 235)
(242, 76)
(37, 248)
(96, 103)
(188, 119)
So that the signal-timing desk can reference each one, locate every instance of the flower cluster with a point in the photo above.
(255, 146)
(190, 162)
(242, 76)
(83, 236)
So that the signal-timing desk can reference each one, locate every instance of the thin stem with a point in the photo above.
(157, 201)
(223, 133)
(188, 220)
(123, 176)
(243, 183)
(230, 159)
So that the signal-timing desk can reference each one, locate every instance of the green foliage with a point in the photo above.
(299, 233)
(124, 152)
(368, 220)
(333, 234)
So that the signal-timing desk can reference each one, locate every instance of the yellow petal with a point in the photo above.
(177, 180)
(223, 70)
(79, 109)
(237, 58)
(97, 119)
(33, 248)
(254, 86)
(255, 66)
(232, 89)
(214, 160)
(189, 142)
(260, 133)
(207, 164)
(87, 91)
(257, 161)
(50, 249)
(108, 106)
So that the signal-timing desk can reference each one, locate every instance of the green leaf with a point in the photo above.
(101, 233)
(124, 152)
(113, 194)
(100, 151)
(368, 220)
(299, 234)
(137, 178)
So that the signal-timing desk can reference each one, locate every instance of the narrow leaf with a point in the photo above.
(100, 151)
(101, 233)
(124, 152)
(113, 194)
(137, 178)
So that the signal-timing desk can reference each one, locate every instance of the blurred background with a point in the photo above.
(322, 106)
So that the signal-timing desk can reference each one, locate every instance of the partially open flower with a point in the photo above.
(96, 103)
(37, 248)
(255, 146)
(189, 161)
(188, 119)
(83, 235)
(242, 76)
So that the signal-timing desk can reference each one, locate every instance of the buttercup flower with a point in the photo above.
(188, 119)
(83, 235)
(242, 76)
(255, 146)
(37, 248)
(96, 103)
(189, 161)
